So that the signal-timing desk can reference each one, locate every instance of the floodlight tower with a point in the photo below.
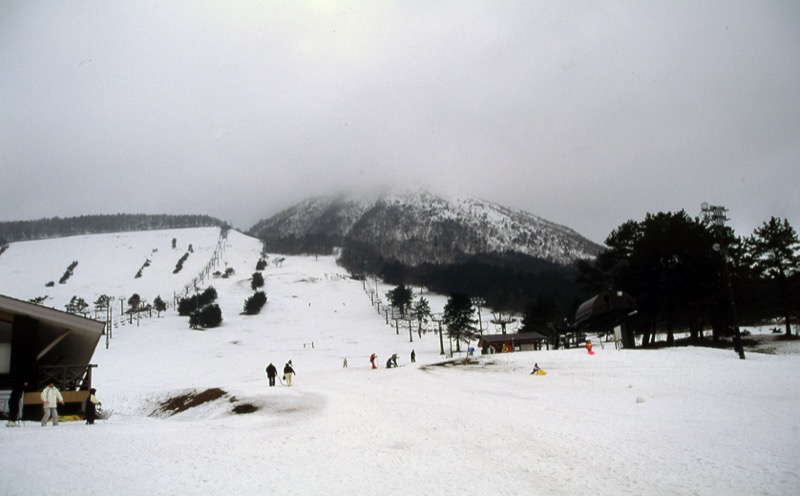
(715, 215)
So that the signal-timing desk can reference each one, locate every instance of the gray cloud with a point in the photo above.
(586, 113)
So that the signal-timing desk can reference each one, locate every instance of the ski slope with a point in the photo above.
(631, 422)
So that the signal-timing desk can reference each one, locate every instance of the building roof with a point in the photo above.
(62, 338)
(517, 338)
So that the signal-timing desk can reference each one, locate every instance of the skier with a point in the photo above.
(413, 356)
(372, 359)
(15, 403)
(288, 372)
(272, 373)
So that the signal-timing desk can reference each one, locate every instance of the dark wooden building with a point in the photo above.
(605, 312)
(499, 343)
(41, 344)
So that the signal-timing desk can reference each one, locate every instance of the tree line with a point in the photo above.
(686, 275)
(55, 227)
(690, 274)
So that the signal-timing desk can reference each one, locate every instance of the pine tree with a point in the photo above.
(159, 305)
(134, 301)
(774, 247)
(422, 313)
(77, 306)
(257, 280)
(253, 304)
(458, 318)
(400, 298)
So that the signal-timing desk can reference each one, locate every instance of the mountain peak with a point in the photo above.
(418, 226)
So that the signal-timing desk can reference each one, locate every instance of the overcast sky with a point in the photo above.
(586, 113)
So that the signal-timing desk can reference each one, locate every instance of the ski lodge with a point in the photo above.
(606, 312)
(503, 343)
(40, 345)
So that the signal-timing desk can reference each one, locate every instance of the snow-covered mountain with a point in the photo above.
(416, 227)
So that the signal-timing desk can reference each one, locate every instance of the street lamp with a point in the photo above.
(478, 302)
(438, 318)
(715, 214)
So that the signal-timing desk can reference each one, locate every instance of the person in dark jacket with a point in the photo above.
(15, 403)
(272, 373)
(91, 406)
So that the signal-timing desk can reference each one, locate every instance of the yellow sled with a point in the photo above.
(541, 372)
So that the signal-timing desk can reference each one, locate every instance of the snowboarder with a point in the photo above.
(15, 403)
(372, 359)
(288, 373)
(92, 403)
(272, 373)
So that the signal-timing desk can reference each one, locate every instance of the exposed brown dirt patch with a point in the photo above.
(183, 402)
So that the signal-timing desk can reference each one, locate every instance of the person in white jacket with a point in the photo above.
(51, 396)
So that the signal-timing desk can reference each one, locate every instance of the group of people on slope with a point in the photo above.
(51, 397)
(288, 373)
(392, 361)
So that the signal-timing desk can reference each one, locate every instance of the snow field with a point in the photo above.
(671, 421)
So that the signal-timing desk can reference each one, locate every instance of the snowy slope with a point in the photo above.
(674, 421)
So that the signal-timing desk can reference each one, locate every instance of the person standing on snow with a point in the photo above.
(15, 403)
(288, 372)
(91, 406)
(272, 373)
(51, 396)
(372, 359)
(413, 356)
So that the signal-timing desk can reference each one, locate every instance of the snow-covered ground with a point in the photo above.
(670, 421)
